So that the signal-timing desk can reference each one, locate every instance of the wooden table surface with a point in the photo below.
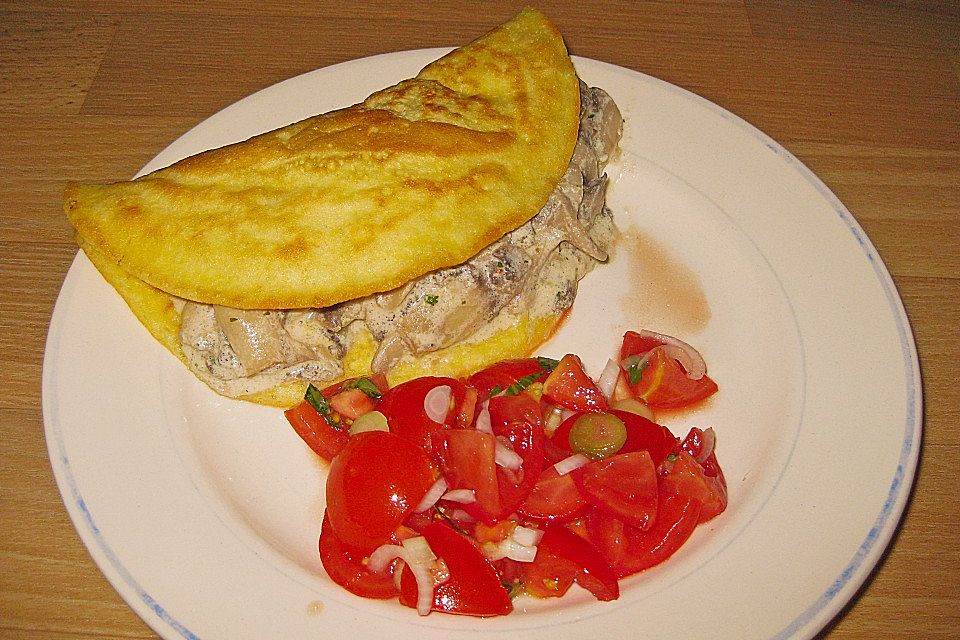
(867, 94)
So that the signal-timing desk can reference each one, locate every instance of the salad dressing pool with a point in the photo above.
(664, 292)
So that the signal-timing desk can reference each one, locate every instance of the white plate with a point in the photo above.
(204, 512)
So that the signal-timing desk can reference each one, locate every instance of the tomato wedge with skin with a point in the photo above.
(687, 478)
(506, 410)
(624, 485)
(693, 444)
(406, 416)
(466, 409)
(664, 384)
(634, 344)
(468, 460)
(322, 437)
(555, 498)
(473, 589)
(553, 453)
(327, 436)
(561, 437)
(374, 483)
(630, 550)
(351, 403)
(503, 374)
(345, 566)
(647, 435)
(569, 386)
(591, 570)
(549, 575)
(515, 419)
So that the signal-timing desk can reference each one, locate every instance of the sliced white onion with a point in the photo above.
(424, 588)
(709, 443)
(637, 359)
(509, 548)
(424, 579)
(552, 419)
(570, 463)
(693, 363)
(483, 418)
(463, 496)
(461, 516)
(433, 494)
(527, 536)
(383, 555)
(437, 403)
(505, 456)
(516, 551)
(418, 550)
(398, 575)
(418, 555)
(607, 381)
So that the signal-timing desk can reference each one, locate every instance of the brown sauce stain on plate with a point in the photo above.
(665, 294)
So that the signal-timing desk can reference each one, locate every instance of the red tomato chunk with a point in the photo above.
(476, 484)
(374, 483)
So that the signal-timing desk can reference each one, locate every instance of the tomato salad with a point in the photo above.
(456, 495)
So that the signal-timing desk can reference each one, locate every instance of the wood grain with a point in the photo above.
(867, 94)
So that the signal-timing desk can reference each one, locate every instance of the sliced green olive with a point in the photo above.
(370, 421)
(597, 435)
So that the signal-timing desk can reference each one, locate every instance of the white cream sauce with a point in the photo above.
(532, 270)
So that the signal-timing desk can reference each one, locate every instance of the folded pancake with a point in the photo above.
(419, 176)
(439, 225)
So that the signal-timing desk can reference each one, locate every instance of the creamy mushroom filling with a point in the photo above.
(532, 270)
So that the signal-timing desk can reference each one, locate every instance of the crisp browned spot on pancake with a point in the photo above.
(131, 213)
(293, 250)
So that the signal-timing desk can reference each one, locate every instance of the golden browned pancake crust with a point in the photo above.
(419, 176)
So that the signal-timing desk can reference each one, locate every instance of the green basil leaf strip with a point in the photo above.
(523, 383)
(635, 372)
(634, 367)
(366, 385)
(318, 402)
(547, 364)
